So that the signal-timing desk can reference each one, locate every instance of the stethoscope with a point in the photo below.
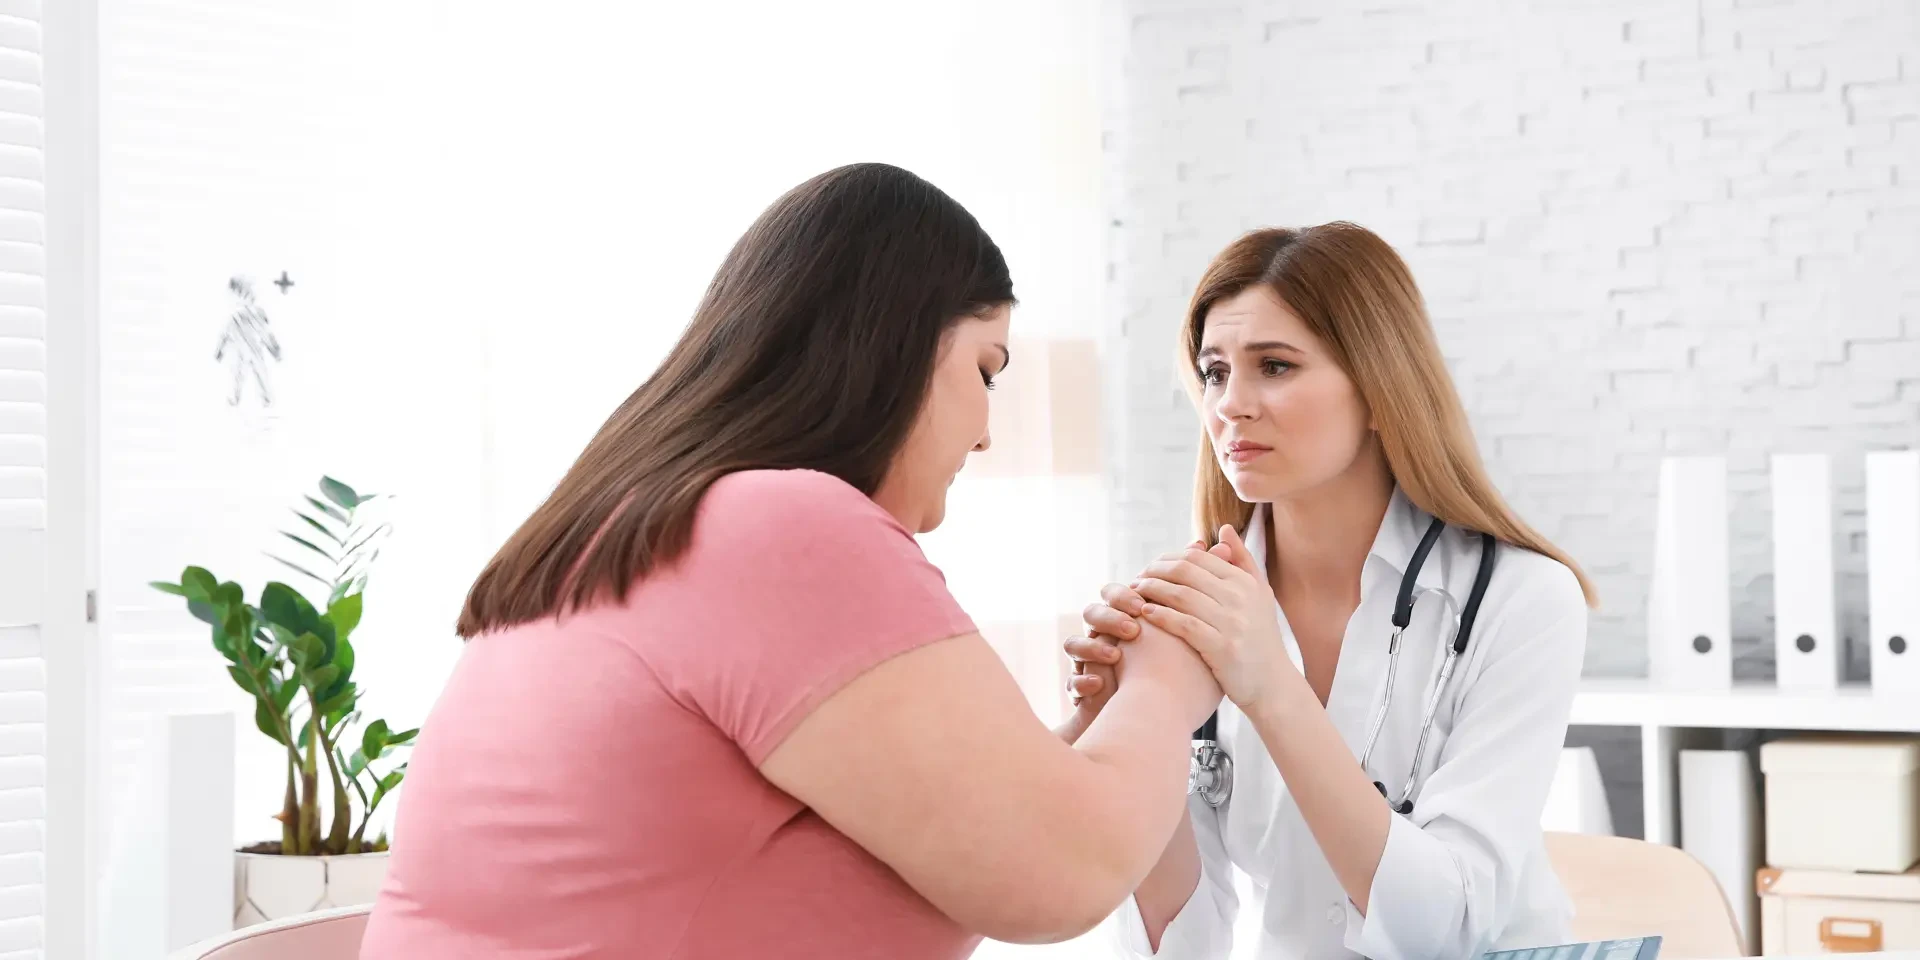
(1210, 771)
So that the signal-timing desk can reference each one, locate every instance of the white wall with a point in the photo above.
(1642, 227)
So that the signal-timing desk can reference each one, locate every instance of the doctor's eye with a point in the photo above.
(986, 378)
(1213, 374)
(1274, 368)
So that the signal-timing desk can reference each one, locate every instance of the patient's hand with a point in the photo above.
(1096, 675)
(1096, 656)
(1098, 662)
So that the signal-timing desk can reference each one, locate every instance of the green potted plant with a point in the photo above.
(295, 659)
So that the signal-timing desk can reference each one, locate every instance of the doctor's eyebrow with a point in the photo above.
(1258, 346)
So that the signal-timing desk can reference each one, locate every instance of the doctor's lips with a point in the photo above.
(1241, 451)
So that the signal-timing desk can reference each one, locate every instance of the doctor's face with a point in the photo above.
(1283, 417)
(952, 424)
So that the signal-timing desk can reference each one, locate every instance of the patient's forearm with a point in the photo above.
(1137, 788)
(1171, 882)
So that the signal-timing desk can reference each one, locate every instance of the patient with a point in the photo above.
(716, 703)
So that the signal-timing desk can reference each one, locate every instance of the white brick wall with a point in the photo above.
(1642, 226)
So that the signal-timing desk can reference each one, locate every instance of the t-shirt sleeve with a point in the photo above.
(806, 583)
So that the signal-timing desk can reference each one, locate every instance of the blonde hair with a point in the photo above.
(1357, 295)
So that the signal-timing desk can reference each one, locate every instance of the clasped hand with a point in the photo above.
(1214, 599)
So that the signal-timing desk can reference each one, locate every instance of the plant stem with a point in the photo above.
(360, 834)
(310, 799)
(337, 836)
(290, 811)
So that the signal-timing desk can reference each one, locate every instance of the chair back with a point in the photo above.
(323, 935)
(1624, 888)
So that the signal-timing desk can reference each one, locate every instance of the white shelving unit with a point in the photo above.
(1674, 720)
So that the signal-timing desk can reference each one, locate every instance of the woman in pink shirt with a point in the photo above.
(717, 704)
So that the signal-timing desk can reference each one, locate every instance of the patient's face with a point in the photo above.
(952, 424)
(1282, 415)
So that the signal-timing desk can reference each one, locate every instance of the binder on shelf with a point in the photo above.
(1720, 827)
(1893, 569)
(1689, 602)
(1808, 651)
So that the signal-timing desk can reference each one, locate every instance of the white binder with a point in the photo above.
(1720, 826)
(1893, 569)
(1689, 608)
(1806, 635)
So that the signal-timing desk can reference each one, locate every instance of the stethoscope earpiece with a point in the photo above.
(1210, 770)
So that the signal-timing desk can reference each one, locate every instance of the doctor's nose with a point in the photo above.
(1236, 401)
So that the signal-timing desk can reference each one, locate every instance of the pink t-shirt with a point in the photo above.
(587, 788)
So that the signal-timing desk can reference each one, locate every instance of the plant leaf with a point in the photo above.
(317, 525)
(223, 644)
(402, 737)
(246, 681)
(303, 571)
(342, 661)
(310, 545)
(204, 612)
(374, 738)
(284, 605)
(340, 712)
(282, 637)
(230, 634)
(283, 697)
(198, 583)
(304, 653)
(321, 678)
(264, 719)
(339, 493)
(341, 703)
(329, 638)
(165, 587)
(327, 508)
(345, 614)
(356, 763)
(357, 545)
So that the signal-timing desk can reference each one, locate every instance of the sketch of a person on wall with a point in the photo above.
(250, 341)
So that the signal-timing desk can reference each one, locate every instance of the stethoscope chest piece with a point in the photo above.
(1210, 773)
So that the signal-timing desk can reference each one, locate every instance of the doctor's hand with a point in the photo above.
(1216, 600)
(1113, 620)
(1152, 656)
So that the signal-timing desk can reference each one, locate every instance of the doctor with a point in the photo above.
(1397, 649)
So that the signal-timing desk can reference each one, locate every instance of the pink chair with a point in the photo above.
(322, 935)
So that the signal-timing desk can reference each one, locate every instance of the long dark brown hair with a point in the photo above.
(814, 347)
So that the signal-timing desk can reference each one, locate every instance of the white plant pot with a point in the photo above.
(270, 886)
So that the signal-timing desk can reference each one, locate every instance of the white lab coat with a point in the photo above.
(1467, 871)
